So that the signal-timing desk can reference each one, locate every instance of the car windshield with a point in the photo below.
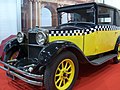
(78, 15)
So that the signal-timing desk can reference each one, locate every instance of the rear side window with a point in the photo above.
(118, 18)
(105, 15)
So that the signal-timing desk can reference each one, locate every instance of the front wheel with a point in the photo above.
(62, 73)
(12, 54)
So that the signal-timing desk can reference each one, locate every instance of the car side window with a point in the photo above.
(118, 18)
(105, 15)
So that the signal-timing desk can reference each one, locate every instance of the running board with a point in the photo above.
(103, 59)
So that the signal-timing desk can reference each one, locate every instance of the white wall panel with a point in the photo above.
(115, 3)
(9, 18)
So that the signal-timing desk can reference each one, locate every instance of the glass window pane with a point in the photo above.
(118, 18)
(78, 15)
(105, 15)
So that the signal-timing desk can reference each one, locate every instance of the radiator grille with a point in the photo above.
(33, 50)
(32, 38)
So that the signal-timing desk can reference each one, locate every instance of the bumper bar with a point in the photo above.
(35, 79)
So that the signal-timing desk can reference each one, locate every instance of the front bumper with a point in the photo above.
(25, 76)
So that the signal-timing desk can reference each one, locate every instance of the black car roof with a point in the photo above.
(83, 5)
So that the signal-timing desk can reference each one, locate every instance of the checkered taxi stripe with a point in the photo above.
(79, 32)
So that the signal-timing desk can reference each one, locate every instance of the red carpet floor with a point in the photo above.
(104, 77)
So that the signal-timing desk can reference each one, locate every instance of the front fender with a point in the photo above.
(49, 52)
(10, 44)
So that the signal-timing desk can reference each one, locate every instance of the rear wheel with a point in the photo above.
(62, 73)
(117, 59)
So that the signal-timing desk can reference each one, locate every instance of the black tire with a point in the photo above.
(117, 51)
(116, 60)
(50, 70)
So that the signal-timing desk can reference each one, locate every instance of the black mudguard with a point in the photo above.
(49, 52)
(13, 44)
(10, 44)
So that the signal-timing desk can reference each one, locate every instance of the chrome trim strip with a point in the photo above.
(33, 82)
(36, 45)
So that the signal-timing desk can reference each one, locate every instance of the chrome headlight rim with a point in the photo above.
(41, 40)
(20, 37)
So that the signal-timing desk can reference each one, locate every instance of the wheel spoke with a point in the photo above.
(60, 83)
(66, 65)
(64, 82)
(59, 69)
(57, 81)
(62, 65)
(69, 67)
(57, 75)
(68, 72)
(66, 78)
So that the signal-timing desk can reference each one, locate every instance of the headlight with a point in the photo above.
(20, 37)
(41, 37)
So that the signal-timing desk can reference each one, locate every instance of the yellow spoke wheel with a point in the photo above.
(15, 55)
(118, 57)
(12, 54)
(64, 74)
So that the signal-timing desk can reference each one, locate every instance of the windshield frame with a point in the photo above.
(76, 7)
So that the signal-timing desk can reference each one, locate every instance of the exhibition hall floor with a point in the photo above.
(104, 77)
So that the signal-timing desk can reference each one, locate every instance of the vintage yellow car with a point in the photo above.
(87, 33)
